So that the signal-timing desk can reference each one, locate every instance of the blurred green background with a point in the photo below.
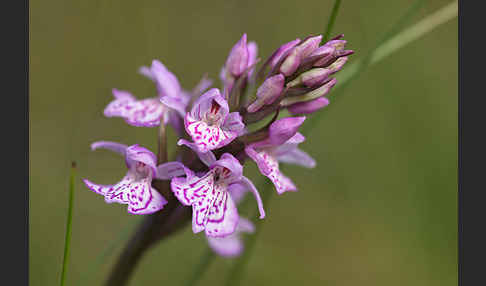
(380, 208)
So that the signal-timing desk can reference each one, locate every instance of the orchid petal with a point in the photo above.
(137, 153)
(234, 123)
(244, 225)
(222, 217)
(171, 170)
(206, 122)
(256, 194)
(195, 191)
(112, 146)
(207, 102)
(231, 245)
(234, 168)
(178, 103)
(121, 105)
(280, 131)
(202, 86)
(269, 167)
(139, 195)
(145, 113)
(297, 157)
(207, 137)
(167, 83)
(237, 191)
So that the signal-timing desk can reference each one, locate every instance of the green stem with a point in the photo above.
(162, 155)
(67, 241)
(204, 263)
(331, 21)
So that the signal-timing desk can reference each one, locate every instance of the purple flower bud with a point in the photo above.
(311, 78)
(283, 50)
(323, 51)
(337, 65)
(337, 47)
(282, 130)
(340, 36)
(252, 55)
(291, 63)
(318, 92)
(337, 44)
(268, 92)
(293, 60)
(308, 106)
(237, 61)
(309, 45)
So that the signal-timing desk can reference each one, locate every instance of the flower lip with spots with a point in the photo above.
(135, 189)
(210, 124)
(281, 145)
(214, 210)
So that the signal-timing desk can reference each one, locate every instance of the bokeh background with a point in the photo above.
(380, 208)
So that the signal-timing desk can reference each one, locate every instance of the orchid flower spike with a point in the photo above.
(280, 146)
(135, 189)
(213, 208)
(210, 124)
(231, 245)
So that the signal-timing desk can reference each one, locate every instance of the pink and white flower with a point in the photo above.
(213, 208)
(170, 104)
(210, 124)
(135, 189)
(280, 146)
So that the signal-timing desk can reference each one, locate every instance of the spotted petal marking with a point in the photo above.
(269, 167)
(145, 113)
(223, 215)
(195, 191)
(140, 197)
(207, 137)
(213, 209)
(99, 189)
(122, 104)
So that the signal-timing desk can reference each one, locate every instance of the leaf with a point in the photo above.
(67, 241)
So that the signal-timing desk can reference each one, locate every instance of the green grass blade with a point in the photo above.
(332, 19)
(413, 33)
(67, 242)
